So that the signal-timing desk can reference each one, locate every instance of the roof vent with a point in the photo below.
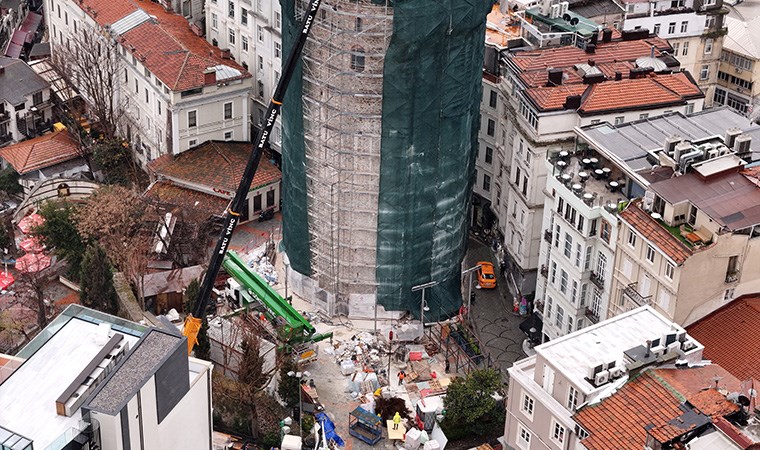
(607, 35)
(572, 102)
(618, 75)
(591, 48)
(555, 77)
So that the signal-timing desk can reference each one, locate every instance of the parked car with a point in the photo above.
(486, 277)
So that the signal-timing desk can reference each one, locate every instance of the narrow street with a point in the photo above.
(495, 324)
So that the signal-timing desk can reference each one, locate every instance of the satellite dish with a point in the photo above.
(743, 400)
(566, 17)
(574, 21)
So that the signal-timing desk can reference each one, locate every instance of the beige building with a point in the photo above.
(739, 71)
(690, 249)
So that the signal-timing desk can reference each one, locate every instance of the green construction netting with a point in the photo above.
(431, 100)
(431, 103)
(295, 231)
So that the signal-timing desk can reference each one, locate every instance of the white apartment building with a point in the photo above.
(583, 87)
(546, 389)
(251, 31)
(90, 380)
(694, 28)
(178, 90)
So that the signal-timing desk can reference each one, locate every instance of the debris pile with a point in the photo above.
(362, 350)
(259, 262)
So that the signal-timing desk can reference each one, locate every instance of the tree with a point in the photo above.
(94, 68)
(96, 281)
(59, 232)
(287, 388)
(113, 157)
(470, 408)
(9, 181)
(191, 294)
(203, 348)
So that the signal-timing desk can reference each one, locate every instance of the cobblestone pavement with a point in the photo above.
(495, 323)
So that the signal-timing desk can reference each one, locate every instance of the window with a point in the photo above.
(270, 198)
(560, 317)
(66, 18)
(243, 16)
(619, 120)
(192, 119)
(579, 227)
(357, 59)
(492, 99)
(527, 404)
(214, 21)
(572, 397)
(257, 202)
(137, 86)
(548, 308)
(556, 236)
(259, 33)
(709, 22)
(563, 281)
(244, 42)
(574, 292)
(671, 27)
(709, 45)
(606, 231)
(689, 108)
(525, 186)
(277, 20)
(631, 238)
(277, 50)
(491, 128)
(643, 116)
(558, 432)
(553, 278)
(523, 438)
(568, 245)
(192, 143)
(37, 98)
(675, 48)
(486, 183)
(231, 9)
(228, 111)
(676, 3)
(582, 299)
(232, 37)
(578, 254)
(59, 11)
(228, 135)
(569, 324)
(650, 254)
(596, 302)
(656, 29)
(517, 176)
(260, 88)
(529, 115)
(358, 25)
(261, 62)
(669, 269)
(601, 266)
(684, 26)
(158, 103)
(704, 73)
(685, 49)
(489, 155)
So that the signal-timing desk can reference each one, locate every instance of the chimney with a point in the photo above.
(572, 102)
(607, 35)
(591, 48)
(595, 38)
(209, 76)
(649, 347)
(555, 77)
(226, 53)
(618, 75)
(591, 62)
(594, 78)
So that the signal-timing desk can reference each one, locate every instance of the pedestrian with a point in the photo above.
(396, 420)
(401, 376)
(448, 365)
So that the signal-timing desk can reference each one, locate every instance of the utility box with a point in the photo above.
(290, 442)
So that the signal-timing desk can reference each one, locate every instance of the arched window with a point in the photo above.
(63, 190)
(357, 59)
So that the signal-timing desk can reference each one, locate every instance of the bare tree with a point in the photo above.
(92, 64)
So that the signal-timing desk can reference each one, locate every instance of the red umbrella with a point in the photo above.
(31, 245)
(6, 279)
(32, 262)
(27, 223)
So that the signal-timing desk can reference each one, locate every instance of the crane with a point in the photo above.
(232, 216)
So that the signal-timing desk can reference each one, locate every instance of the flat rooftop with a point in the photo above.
(28, 396)
(501, 28)
(606, 341)
(632, 143)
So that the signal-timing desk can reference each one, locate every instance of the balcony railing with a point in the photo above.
(548, 236)
(592, 316)
(597, 279)
(634, 295)
(732, 277)
(544, 271)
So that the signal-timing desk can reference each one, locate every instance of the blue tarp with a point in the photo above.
(329, 427)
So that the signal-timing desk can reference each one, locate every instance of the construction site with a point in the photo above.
(379, 125)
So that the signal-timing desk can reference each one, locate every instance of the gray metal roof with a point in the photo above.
(131, 20)
(142, 363)
(18, 81)
(632, 142)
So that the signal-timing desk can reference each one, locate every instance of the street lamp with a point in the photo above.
(299, 376)
(469, 286)
(423, 305)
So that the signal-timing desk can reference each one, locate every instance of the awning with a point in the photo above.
(33, 262)
(24, 35)
(29, 222)
(533, 321)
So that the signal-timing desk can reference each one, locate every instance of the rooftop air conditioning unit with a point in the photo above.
(687, 345)
(617, 372)
(554, 12)
(602, 377)
(742, 144)
(674, 347)
(563, 7)
(681, 336)
(658, 350)
(670, 143)
(731, 135)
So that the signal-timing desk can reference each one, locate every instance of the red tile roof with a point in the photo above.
(165, 45)
(653, 231)
(217, 165)
(653, 399)
(41, 152)
(730, 336)
(205, 205)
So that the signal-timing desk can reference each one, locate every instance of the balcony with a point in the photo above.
(539, 307)
(592, 316)
(548, 236)
(732, 277)
(5, 138)
(671, 11)
(597, 279)
(634, 295)
(544, 271)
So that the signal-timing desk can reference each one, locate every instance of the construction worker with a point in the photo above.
(396, 420)
(401, 376)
